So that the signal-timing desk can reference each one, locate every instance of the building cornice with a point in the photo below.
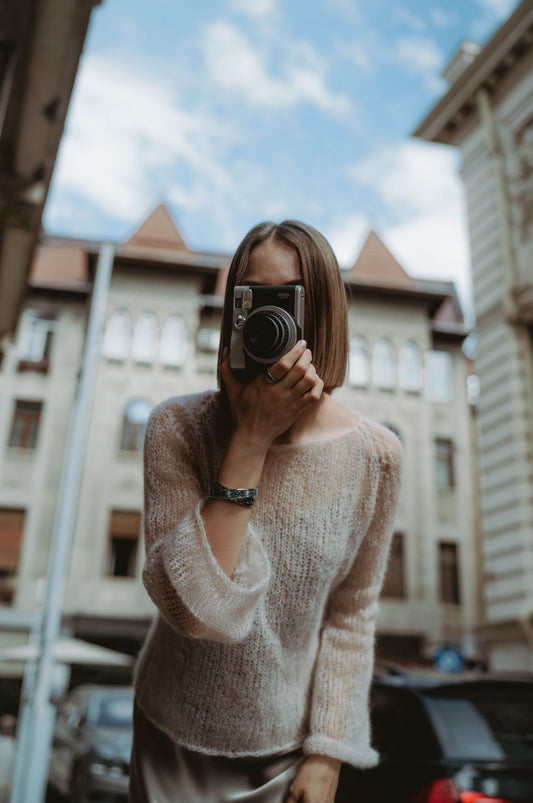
(510, 43)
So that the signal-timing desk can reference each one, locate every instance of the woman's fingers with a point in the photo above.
(299, 376)
(281, 369)
(308, 381)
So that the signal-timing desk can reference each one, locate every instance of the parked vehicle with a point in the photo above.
(92, 744)
(466, 738)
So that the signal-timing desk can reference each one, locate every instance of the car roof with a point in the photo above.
(431, 680)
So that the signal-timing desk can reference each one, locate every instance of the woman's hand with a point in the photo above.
(316, 781)
(261, 411)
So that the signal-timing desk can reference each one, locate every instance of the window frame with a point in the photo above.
(43, 324)
(361, 353)
(29, 442)
(449, 587)
(119, 531)
(119, 318)
(145, 341)
(384, 377)
(133, 431)
(444, 463)
(397, 589)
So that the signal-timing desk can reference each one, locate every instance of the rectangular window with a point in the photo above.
(11, 531)
(124, 529)
(444, 471)
(449, 572)
(439, 376)
(25, 424)
(394, 585)
(35, 341)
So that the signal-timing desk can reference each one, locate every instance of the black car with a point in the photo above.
(92, 744)
(466, 738)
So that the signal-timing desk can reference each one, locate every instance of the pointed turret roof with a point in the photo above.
(376, 263)
(158, 231)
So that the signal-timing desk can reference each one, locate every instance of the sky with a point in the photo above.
(236, 111)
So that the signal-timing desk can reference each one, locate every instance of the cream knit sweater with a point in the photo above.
(281, 654)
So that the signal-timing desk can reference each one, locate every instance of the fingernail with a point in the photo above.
(302, 343)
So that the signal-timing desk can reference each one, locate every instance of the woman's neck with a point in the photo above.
(325, 419)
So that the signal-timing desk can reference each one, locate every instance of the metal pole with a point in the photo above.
(38, 713)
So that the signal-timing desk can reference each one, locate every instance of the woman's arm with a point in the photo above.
(193, 544)
(261, 412)
(340, 722)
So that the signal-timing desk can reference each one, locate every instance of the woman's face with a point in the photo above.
(273, 263)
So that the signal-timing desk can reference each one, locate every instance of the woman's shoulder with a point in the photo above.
(384, 444)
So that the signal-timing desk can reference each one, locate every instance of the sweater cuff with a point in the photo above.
(360, 756)
(224, 606)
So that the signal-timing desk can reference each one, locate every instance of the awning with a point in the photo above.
(69, 651)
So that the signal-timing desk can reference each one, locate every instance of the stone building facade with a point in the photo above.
(488, 114)
(407, 370)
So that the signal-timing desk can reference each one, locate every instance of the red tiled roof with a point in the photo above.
(375, 262)
(59, 265)
(449, 312)
(158, 231)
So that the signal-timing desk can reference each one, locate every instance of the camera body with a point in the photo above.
(268, 321)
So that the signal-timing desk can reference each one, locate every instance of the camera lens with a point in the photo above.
(265, 335)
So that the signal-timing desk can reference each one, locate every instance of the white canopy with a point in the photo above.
(69, 651)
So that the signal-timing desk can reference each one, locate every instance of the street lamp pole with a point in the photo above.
(37, 717)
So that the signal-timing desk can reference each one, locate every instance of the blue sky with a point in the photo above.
(236, 111)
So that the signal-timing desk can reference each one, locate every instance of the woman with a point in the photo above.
(253, 683)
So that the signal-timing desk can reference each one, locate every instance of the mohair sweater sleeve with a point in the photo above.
(340, 721)
(181, 573)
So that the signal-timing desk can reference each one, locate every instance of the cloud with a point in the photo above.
(346, 235)
(239, 66)
(493, 12)
(419, 52)
(501, 8)
(414, 21)
(350, 9)
(357, 52)
(441, 18)
(424, 215)
(129, 137)
(254, 8)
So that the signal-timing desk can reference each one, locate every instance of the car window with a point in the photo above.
(115, 712)
(400, 726)
(491, 723)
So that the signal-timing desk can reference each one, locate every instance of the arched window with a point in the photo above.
(410, 367)
(136, 414)
(174, 341)
(145, 338)
(117, 335)
(383, 365)
(359, 365)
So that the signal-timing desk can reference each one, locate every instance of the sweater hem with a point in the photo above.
(213, 751)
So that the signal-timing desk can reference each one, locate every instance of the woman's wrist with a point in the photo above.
(243, 462)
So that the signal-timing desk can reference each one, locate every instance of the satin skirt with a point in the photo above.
(162, 771)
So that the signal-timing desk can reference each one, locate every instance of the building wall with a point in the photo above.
(502, 265)
(112, 478)
(29, 478)
(427, 515)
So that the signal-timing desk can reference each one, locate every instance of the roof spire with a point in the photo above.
(376, 262)
(158, 231)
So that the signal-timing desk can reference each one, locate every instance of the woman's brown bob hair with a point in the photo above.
(326, 315)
